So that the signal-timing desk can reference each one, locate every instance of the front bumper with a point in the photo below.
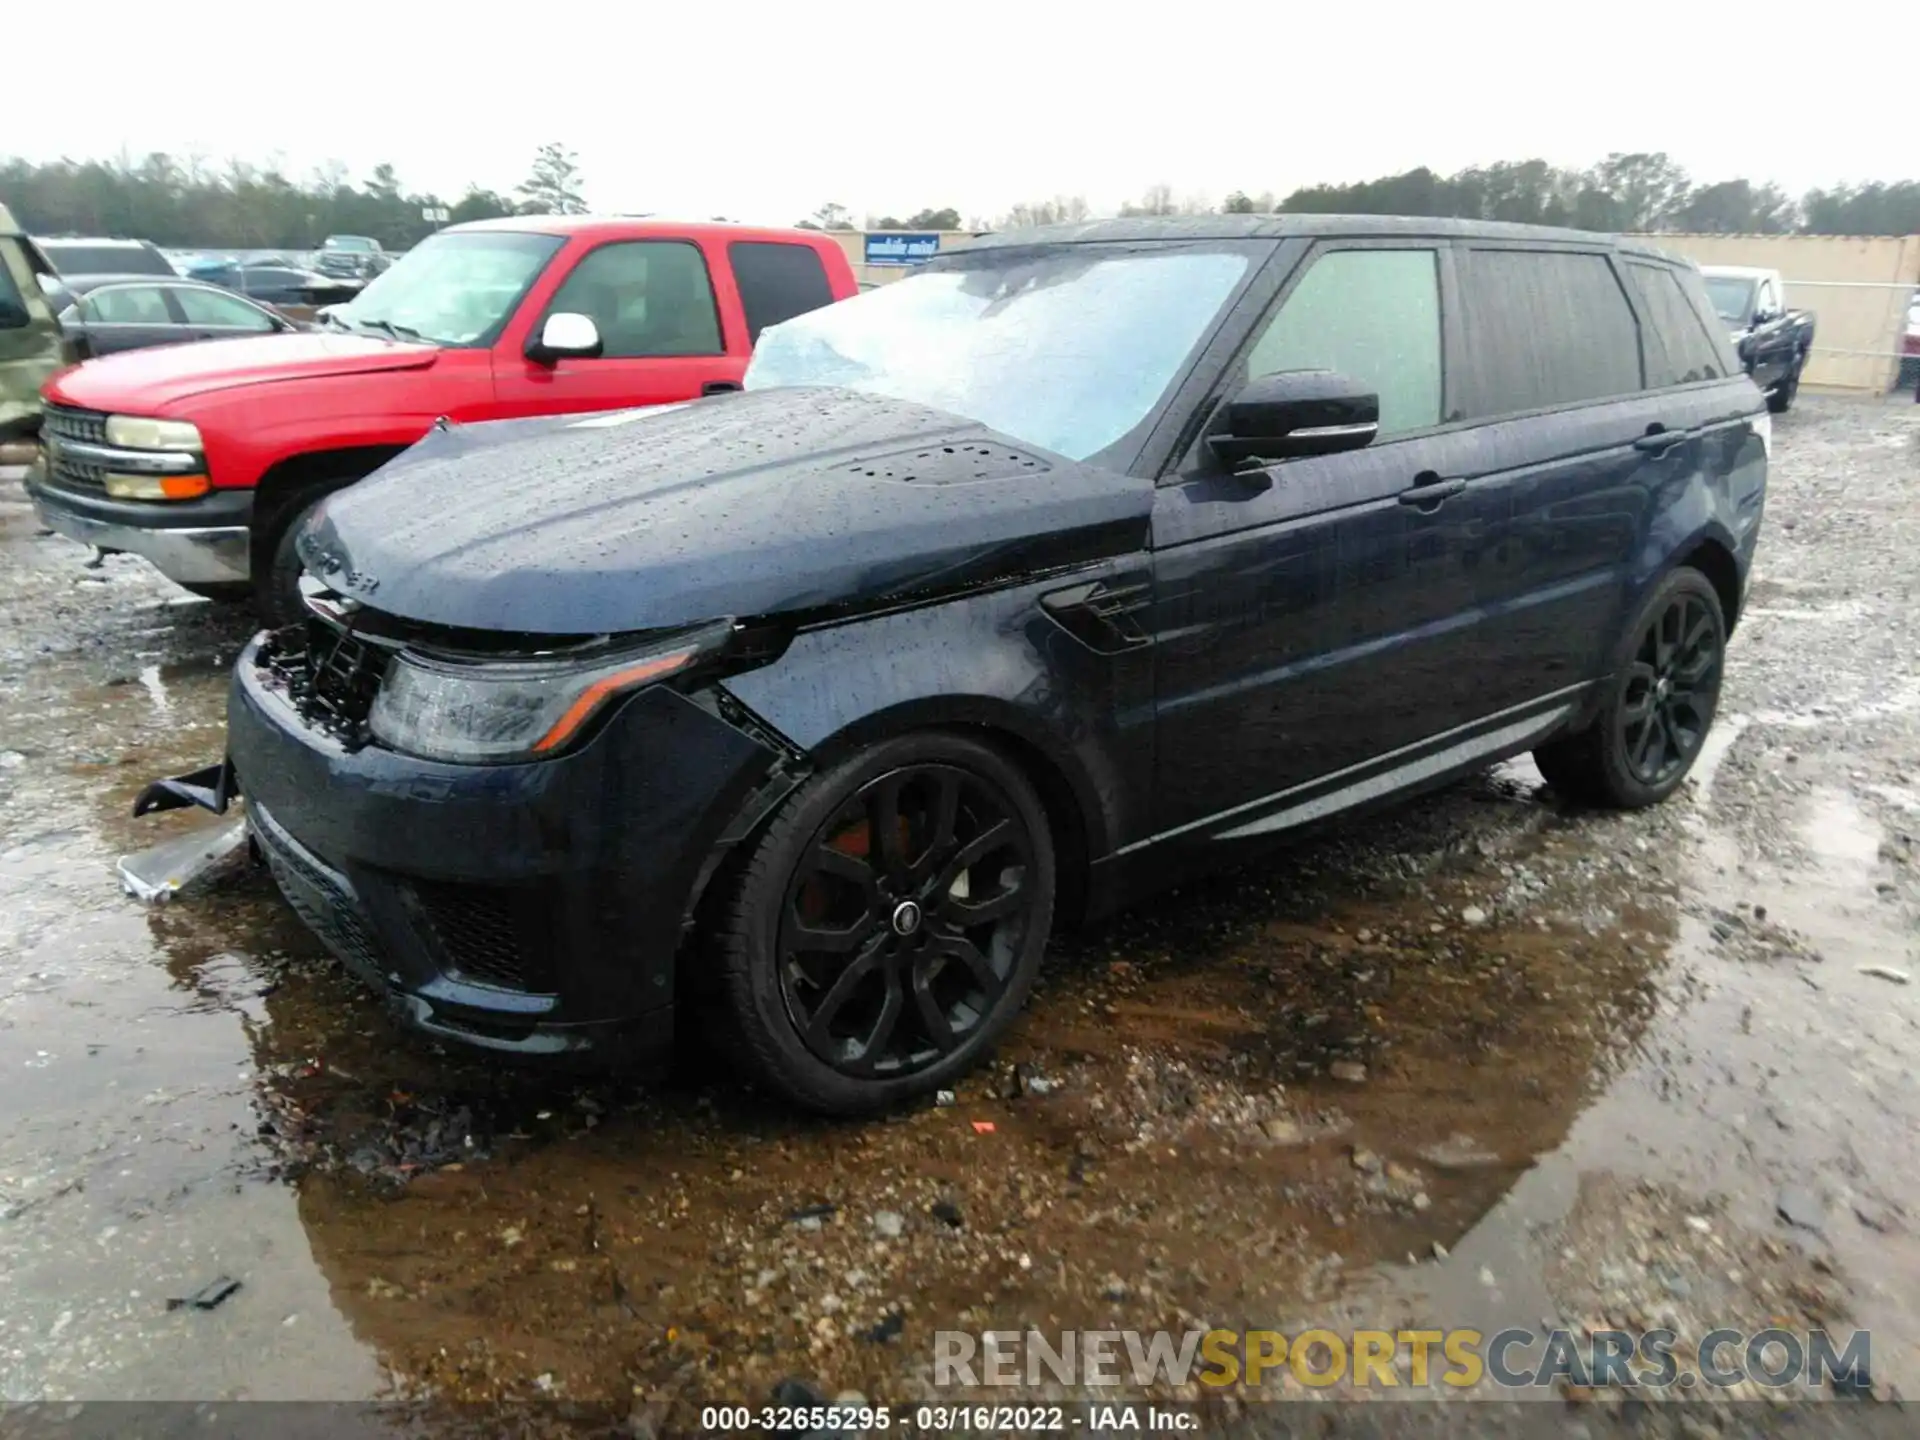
(191, 542)
(536, 909)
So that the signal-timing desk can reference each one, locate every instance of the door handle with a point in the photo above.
(1658, 442)
(719, 387)
(1428, 494)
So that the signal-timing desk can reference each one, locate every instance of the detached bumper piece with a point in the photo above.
(211, 789)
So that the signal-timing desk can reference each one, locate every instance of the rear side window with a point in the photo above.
(1547, 328)
(777, 282)
(126, 305)
(1680, 350)
(1371, 315)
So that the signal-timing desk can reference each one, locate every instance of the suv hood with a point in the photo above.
(145, 381)
(741, 505)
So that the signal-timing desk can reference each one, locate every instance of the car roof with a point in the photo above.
(79, 283)
(1138, 229)
(45, 240)
(597, 227)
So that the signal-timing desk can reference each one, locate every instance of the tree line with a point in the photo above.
(1640, 191)
(186, 202)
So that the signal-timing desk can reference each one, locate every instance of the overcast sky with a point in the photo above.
(761, 111)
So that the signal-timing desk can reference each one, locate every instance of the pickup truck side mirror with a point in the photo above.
(565, 336)
(1295, 413)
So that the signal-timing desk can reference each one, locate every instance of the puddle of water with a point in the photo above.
(129, 1165)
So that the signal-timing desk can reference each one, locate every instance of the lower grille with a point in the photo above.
(321, 899)
(488, 934)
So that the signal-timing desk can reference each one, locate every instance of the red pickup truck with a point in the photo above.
(204, 458)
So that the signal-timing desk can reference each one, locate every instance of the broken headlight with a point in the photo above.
(497, 710)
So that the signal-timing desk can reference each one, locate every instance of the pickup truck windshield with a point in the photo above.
(1732, 298)
(453, 289)
(1068, 347)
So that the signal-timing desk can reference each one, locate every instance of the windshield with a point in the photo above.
(1068, 347)
(347, 242)
(1732, 298)
(453, 289)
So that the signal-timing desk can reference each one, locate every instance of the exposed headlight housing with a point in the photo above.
(481, 712)
(138, 432)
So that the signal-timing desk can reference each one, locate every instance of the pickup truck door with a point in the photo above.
(668, 317)
(1772, 340)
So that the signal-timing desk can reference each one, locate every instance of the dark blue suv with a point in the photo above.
(1005, 593)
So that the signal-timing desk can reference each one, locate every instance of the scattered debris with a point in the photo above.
(1887, 972)
(945, 1099)
(1458, 1152)
(821, 1211)
(983, 1127)
(948, 1213)
(1351, 1071)
(155, 876)
(1800, 1208)
(889, 1223)
(889, 1328)
(208, 1296)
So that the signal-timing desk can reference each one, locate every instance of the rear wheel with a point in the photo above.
(1658, 706)
(888, 924)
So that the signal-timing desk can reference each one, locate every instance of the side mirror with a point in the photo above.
(1295, 413)
(565, 336)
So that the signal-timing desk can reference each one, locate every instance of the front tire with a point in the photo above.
(1780, 398)
(887, 926)
(276, 584)
(1659, 703)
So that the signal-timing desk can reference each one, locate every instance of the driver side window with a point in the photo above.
(646, 297)
(1371, 315)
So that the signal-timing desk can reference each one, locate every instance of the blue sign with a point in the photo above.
(894, 249)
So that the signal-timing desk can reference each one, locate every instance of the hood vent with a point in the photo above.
(964, 462)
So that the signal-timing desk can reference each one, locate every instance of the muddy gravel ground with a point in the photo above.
(1476, 1061)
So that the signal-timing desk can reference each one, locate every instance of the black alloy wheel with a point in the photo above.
(889, 923)
(1658, 704)
(1672, 685)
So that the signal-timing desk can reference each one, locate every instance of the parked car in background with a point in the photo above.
(105, 314)
(1772, 341)
(351, 257)
(1909, 376)
(205, 458)
(73, 256)
(32, 345)
(276, 282)
(1071, 563)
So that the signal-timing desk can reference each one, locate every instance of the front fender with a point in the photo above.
(991, 661)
